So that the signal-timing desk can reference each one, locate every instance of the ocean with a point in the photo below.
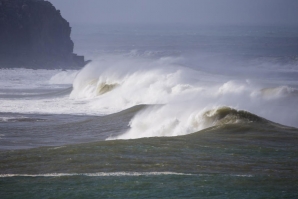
(161, 111)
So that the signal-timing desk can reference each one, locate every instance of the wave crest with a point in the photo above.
(227, 115)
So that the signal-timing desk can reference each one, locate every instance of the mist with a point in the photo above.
(202, 12)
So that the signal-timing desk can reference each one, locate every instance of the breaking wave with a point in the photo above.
(188, 99)
(114, 83)
(157, 122)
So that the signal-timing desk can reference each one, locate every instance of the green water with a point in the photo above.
(231, 161)
(167, 186)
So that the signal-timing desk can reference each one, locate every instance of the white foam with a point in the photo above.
(8, 119)
(117, 174)
(98, 174)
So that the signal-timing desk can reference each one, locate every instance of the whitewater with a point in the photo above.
(183, 100)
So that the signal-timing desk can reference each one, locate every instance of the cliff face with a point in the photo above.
(33, 34)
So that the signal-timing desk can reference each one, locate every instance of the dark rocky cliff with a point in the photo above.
(33, 34)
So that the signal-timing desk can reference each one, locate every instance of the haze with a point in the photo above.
(254, 12)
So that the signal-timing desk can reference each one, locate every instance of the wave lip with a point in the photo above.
(227, 115)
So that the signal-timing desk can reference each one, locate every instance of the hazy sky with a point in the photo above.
(180, 11)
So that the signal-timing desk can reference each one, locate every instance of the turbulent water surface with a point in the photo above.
(160, 112)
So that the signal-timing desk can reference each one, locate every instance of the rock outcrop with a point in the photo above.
(33, 34)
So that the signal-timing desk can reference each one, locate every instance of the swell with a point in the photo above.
(62, 129)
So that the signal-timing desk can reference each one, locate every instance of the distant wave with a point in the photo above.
(281, 91)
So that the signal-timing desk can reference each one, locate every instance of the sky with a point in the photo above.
(202, 12)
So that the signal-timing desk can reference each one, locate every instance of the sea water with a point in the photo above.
(160, 112)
